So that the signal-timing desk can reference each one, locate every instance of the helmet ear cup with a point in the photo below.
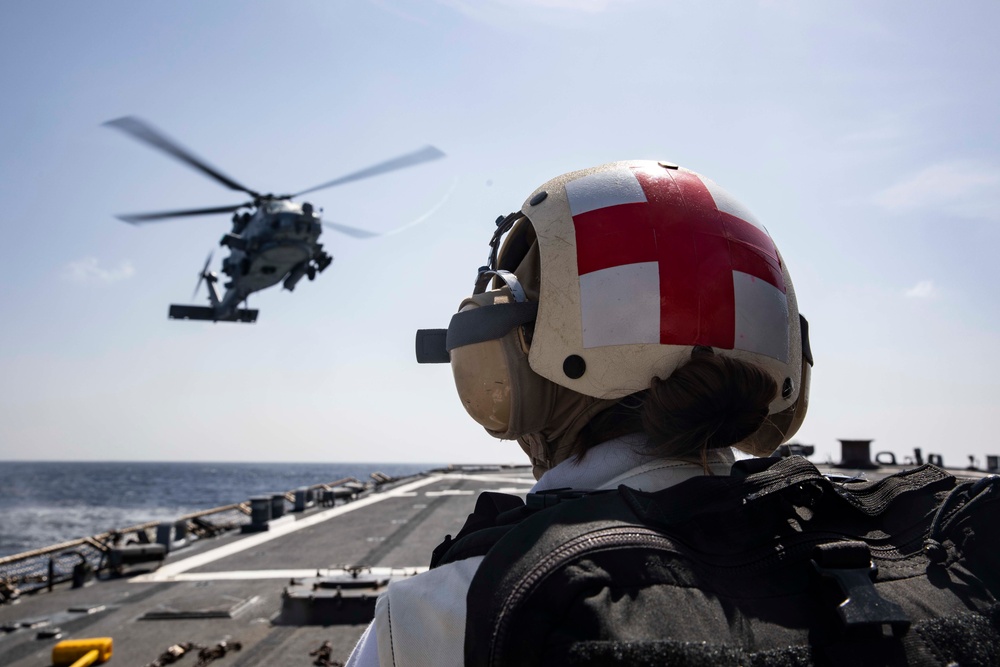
(483, 383)
(495, 383)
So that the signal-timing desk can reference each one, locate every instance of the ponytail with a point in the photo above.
(708, 403)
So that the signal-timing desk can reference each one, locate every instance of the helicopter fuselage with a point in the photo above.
(272, 244)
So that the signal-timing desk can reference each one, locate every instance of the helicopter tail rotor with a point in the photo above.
(218, 311)
(203, 275)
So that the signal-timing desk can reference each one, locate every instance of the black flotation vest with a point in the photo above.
(773, 565)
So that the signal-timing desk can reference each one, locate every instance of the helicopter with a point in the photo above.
(273, 239)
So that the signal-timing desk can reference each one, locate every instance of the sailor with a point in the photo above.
(635, 325)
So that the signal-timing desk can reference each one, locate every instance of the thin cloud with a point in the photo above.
(488, 9)
(89, 270)
(883, 131)
(429, 213)
(963, 188)
(586, 6)
(925, 289)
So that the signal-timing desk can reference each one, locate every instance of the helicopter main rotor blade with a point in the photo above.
(425, 154)
(139, 218)
(144, 132)
(351, 231)
(365, 234)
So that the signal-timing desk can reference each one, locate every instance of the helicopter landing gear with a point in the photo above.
(308, 269)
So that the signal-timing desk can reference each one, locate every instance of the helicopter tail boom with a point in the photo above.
(206, 313)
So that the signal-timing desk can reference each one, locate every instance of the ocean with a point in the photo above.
(44, 503)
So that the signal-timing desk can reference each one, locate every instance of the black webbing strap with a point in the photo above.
(488, 322)
(481, 530)
(472, 326)
(508, 278)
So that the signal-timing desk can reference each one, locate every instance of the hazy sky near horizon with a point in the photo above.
(863, 135)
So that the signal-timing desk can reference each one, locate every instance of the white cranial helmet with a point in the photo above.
(610, 277)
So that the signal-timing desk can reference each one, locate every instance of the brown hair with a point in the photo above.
(708, 403)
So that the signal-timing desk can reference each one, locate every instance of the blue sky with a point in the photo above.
(863, 135)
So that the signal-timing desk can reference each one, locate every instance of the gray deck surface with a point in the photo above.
(395, 527)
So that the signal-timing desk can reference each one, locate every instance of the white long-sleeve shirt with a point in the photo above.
(421, 620)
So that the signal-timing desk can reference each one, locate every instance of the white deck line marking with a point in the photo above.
(168, 571)
(245, 575)
(493, 478)
(449, 492)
